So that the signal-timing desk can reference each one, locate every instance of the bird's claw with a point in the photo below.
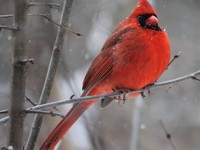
(122, 96)
(148, 90)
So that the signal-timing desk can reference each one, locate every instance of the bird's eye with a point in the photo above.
(149, 21)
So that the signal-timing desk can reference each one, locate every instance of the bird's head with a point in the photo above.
(144, 16)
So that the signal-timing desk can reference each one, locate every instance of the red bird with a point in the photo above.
(134, 56)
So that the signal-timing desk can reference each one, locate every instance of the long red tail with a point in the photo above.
(56, 135)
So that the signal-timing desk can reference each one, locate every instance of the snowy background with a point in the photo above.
(110, 128)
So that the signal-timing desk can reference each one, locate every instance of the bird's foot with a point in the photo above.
(148, 90)
(122, 96)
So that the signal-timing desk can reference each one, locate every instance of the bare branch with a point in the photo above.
(4, 120)
(53, 65)
(196, 78)
(4, 111)
(8, 27)
(168, 135)
(30, 101)
(51, 5)
(53, 114)
(5, 148)
(6, 16)
(42, 15)
(60, 25)
(26, 60)
(18, 78)
(169, 88)
(174, 58)
(89, 98)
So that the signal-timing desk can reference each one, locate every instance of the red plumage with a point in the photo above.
(134, 56)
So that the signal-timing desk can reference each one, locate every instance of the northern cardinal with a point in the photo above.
(134, 56)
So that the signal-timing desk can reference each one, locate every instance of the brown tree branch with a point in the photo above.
(18, 78)
(53, 65)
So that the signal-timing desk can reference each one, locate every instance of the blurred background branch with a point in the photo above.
(167, 134)
(53, 65)
(51, 5)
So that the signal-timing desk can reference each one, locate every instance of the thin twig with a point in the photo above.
(60, 25)
(6, 16)
(169, 88)
(53, 65)
(8, 27)
(174, 58)
(168, 135)
(46, 17)
(53, 114)
(116, 93)
(7, 148)
(196, 78)
(26, 60)
(30, 101)
(4, 111)
(4, 120)
(51, 5)
(42, 15)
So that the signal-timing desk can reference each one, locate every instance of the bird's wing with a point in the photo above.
(103, 63)
(99, 69)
